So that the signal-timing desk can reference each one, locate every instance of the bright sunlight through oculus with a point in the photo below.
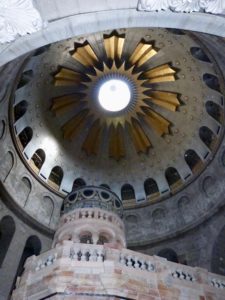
(114, 95)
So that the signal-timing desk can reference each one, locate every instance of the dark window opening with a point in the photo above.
(38, 158)
(25, 136)
(211, 81)
(20, 110)
(127, 192)
(207, 136)
(79, 182)
(199, 54)
(150, 186)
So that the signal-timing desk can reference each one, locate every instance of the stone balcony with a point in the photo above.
(86, 271)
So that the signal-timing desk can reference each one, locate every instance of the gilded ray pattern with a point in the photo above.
(142, 80)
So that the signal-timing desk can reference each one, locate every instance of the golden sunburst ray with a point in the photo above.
(93, 139)
(85, 55)
(142, 53)
(62, 104)
(130, 68)
(114, 46)
(116, 142)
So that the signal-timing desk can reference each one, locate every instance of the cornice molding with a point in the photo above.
(205, 6)
(18, 18)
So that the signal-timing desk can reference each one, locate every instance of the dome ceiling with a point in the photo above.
(131, 68)
(161, 140)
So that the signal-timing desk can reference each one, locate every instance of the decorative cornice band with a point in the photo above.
(18, 18)
(207, 6)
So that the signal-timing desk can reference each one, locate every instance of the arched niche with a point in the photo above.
(214, 110)
(193, 160)
(218, 254)
(169, 254)
(173, 178)
(25, 137)
(20, 109)
(212, 81)
(6, 163)
(199, 54)
(127, 192)
(2, 128)
(150, 187)
(158, 215)
(131, 219)
(55, 177)
(7, 230)
(48, 208)
(208, 137)
(25, 189)
(25, 78)
(79, 182)
(37, 160)
(32, 247)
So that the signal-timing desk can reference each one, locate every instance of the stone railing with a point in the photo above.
(81, 268)
(136, 260)
(87, 253)
(92, 213)
(183, 274)
(217, 283)
(82, 254)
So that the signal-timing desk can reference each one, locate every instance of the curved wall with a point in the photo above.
(73, 18)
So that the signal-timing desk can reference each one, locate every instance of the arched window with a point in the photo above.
(102, 240)
(25, 78)
(7, 230)
(211, 81)
(86, 238)
(105, 186)
(32, 247)
(20, 110)
(79, 182)
(172, 177)
(150, 187)
(38, 159)
(127, 192)
(199, 54)
(207, 136)
(25, 136)
(192, 159)
(56, 176)
(213, 110)
(169, 254)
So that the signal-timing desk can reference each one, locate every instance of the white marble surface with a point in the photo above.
(76, 17)
(207, 6)
(18, 18)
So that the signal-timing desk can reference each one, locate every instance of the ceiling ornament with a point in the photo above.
(208, 6)
(90, 71)
(18, 18)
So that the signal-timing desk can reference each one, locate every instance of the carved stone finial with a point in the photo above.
(208, 6)
(18, 18)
